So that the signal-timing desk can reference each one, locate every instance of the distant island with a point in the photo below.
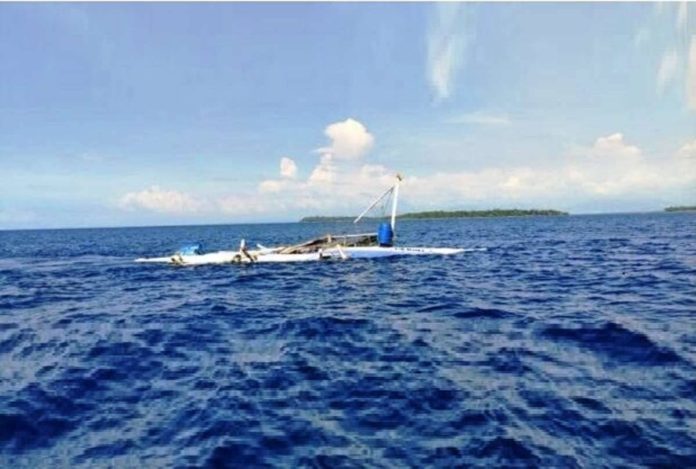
(691, 208)
(448, 214)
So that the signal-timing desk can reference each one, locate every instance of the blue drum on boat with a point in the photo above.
(385, 235)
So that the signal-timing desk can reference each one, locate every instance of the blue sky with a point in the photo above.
(145, 114)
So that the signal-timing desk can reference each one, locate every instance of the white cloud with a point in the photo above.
(447, 40)
(480, 118)
(272, 185)
(346, 188)
(688, 151)
(613, 146)
(667, 70)
(288, 173)
(623, 169)
(330, 188)
(350, 140)
(171, 202)
(490, 186)
(610, 166)
(339, 181)
(288, 168)
(160, 200)
(325, 171)
(691, 75)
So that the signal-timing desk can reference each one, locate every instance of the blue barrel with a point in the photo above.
(385, 235)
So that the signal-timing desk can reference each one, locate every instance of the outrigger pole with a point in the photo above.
(393, 189)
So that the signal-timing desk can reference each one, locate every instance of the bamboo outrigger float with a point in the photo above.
(337, 247)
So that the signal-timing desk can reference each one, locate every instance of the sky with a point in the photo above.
(131, 114)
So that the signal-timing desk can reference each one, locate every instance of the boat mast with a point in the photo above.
(395, 201)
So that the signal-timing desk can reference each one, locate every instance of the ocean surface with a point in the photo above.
(566, 342)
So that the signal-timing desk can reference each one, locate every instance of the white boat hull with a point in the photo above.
(269, 255)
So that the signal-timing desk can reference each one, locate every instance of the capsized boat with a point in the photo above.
(328, 247)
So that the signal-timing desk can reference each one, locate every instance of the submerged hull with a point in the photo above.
(328, 247)
(271, 255)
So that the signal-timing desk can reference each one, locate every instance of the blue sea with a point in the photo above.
(561, 342)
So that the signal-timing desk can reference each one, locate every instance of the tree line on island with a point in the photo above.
(681, 208)
(447, 214)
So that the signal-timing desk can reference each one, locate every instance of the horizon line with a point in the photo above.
(177, 225)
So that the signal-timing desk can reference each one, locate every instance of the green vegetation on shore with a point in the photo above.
(450, 214)
(683, 208)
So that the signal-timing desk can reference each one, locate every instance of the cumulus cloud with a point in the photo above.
(340, 180)
(288, 173)
(613, 146)
(342, 188)
(325, 171)
(288, 168)
(688, 151)
(172, 202)
(448, 38)
(667, 70)
(608, 166)
(490, 186)
(350, 140)
(160, 200)
(272, 185)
